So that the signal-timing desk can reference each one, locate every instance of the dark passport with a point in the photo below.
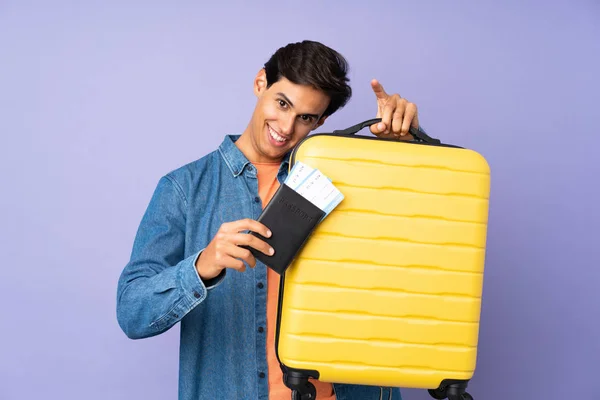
(291, 219)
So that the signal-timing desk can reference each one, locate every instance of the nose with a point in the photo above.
(287, 124)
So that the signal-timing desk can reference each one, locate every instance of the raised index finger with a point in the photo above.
(378, 89)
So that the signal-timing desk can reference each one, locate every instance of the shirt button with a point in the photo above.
(261, 329)
(257, 199)
(260, 285)
(261, 375)
(197, 295)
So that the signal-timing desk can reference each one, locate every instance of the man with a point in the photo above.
(188, 263)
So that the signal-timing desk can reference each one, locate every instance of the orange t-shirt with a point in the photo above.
(267, 186)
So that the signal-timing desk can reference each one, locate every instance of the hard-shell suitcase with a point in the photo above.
(387, 289)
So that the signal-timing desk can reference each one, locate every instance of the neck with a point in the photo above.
(248, 148)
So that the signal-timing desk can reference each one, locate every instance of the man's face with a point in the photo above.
(285, 114)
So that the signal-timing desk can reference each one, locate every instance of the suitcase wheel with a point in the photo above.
(437, 394)
(310, 394)
(464, 396)
(440, 394)
(298, 381)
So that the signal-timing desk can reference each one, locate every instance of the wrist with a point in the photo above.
(204, 271)
(211, 282)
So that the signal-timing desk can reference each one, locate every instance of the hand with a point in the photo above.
(224, 251)
(397, 114)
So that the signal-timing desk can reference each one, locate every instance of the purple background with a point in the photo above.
(97, 101)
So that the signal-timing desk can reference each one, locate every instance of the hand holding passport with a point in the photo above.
(301, 202)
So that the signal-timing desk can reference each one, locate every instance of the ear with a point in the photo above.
(260, 83)
(320, 122)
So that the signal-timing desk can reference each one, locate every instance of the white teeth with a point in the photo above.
(275, 135)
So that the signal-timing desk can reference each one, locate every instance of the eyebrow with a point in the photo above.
(292, 105)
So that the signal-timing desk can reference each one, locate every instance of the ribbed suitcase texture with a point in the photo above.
(387, 291)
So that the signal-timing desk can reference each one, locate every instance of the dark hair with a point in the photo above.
(312, 63)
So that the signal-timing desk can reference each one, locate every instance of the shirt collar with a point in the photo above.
(237, 161)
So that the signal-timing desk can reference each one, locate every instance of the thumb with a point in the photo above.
(378, 89)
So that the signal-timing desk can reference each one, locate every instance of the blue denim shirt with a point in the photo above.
(222, 352)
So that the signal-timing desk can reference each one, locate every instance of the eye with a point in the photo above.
(282, 103)
(306, 118)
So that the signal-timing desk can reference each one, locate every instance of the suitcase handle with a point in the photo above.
(418, 134)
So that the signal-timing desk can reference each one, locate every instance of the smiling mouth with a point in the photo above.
(276, 136)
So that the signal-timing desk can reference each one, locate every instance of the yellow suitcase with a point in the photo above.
(387, 289)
